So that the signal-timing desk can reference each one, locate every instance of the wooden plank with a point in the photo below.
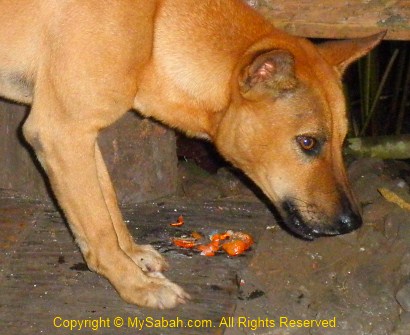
(338, 19)
(43, 276)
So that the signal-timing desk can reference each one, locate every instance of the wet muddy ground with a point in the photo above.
(355, 284)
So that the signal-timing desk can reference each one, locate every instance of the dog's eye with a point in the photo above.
(308, 144)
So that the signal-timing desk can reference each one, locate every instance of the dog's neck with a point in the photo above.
(193, 62)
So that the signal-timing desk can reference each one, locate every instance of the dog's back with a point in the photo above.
(33, 31)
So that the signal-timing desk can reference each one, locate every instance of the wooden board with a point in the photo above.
(43, 275)
(338, 19)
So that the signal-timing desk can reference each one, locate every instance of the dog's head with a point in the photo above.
(285, 129)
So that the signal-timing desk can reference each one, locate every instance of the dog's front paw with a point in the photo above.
(158, 292)
(147, 258)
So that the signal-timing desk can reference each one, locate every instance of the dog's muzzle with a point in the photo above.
(344, 223)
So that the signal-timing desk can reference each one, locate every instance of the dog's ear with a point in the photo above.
(341, 54)
(269, 73)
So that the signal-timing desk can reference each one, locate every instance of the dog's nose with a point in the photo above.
(349, 221)
(349, 218)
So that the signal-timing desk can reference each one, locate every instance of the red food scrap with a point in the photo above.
(233, 243)
(238, 243)
(207, 249)
(243, 237)
(179, 222)
(187, 243)
(235, 247)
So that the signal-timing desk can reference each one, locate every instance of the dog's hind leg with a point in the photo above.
(145, 256)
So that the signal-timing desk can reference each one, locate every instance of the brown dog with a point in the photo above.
(272, 104)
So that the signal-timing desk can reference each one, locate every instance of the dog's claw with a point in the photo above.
(164, 294)
(184, 298)
(154, 291)
(155, 274)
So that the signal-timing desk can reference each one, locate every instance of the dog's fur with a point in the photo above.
(212, 68)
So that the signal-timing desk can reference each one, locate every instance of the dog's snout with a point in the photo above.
(305, 225)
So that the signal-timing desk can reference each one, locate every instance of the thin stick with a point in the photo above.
(404, 97)
(379, 91)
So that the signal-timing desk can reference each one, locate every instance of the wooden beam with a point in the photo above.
(338, 19)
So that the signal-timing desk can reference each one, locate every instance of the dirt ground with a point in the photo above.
(355, 284)
(361, 280)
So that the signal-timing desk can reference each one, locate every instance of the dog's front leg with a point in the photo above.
(145, 256)
(67, 150)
